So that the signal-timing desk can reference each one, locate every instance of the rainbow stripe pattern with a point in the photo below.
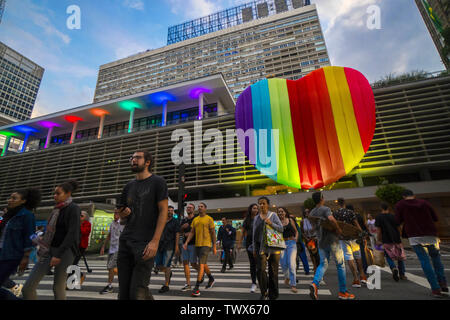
(324, 124)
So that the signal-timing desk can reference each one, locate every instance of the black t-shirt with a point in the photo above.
(388, 226)
(169, 234)
(187, 230)
(248, 227)
(142, 197)
(361, 223)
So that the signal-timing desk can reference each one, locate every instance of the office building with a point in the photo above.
(436, 15)
(20, 79)
(280, 38)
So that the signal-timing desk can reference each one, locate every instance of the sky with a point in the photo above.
(114, 29)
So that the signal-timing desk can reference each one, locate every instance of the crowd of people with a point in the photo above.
(145, 237)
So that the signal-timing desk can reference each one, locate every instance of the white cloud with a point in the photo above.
(192, 9)
(134, 4)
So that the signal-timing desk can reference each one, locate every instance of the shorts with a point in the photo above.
(112, 260)
(189, 254)
(202, 254)
(164, 258)
(351, 250)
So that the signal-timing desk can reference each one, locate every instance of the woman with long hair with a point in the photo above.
(288, 256)
(247, 233)
(59, 244)
(16, 228)
(265, 256)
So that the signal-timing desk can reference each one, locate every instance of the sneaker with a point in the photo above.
(196, 293)
(395, 274)
(186, 288)
(17, 290)
(294, 289)
(253, 288)
(230, 267)
(164, 289)
(107, 289)
(403, 277)
(363, 280)
(356, 284)
(437, 293)
(210, 283)
(307, 273)
(444, 288)
(313, 291)
(322, 283)
(346, 296)
(222, 270)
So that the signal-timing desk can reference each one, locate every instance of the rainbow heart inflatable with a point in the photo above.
(310, 132)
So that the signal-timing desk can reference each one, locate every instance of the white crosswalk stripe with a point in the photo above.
(232, 285)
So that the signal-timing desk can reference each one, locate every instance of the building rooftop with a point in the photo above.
(179, 96)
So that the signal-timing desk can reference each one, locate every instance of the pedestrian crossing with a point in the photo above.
(232, 285)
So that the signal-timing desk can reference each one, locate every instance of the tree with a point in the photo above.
(390, 193)
(309, 204)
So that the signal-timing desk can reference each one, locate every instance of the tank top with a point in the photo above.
(288, 230)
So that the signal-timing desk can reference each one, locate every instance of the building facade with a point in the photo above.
(20, 79)
(288, 44)
(436, 15)
(411, 147)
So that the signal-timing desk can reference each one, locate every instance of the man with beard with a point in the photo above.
(143, 209)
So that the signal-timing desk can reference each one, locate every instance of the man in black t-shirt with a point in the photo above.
(143, 209)
(389, 235)
(188, 255)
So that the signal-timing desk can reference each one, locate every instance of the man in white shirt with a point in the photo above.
(113, 237)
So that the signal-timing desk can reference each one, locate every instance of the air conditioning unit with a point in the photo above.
(111, 201)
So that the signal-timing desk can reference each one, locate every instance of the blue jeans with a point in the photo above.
(288, 261)
(301, 251)
(435, 277)
(336, 252)
(391, 263)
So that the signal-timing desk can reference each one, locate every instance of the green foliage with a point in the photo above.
(392, 78)
(309, 204)
(390, 193)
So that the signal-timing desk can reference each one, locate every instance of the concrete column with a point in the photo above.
(74, 132)
(164, 114)
(359, 180)
(100, 128)
(49, 136)
(130, 124)
(6, 146)
(25, 142)
(200, 106)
